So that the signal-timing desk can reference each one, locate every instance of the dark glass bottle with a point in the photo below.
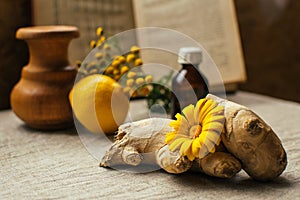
(189, 85)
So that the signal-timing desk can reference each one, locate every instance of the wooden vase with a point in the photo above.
(40, 98)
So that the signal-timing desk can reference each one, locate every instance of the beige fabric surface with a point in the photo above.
(55, 165)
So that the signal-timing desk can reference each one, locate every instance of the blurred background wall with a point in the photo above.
(269, 32)
(13, 52)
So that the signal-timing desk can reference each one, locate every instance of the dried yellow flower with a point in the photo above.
(130, 57)
(124, 69)
(139, 81)
(127, 90)
(131, 74)
(148, 79)
(102, 39)
(109, 70)
(122, 59)
(98, 55)
(138, 62)
(93, 44)
(134, 49)
(99, 31)
(116, 72)
(106, 47)
(115, 63)
(130, 82)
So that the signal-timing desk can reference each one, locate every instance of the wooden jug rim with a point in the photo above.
(35, 32)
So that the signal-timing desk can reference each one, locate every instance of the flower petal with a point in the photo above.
(170, 136)
(213, 136)
(184, 125)
(190, 156)
(184, 150)
(196, 147)
(176, 143)
(218, 110)
(197, 109)
(209, 144)
(208, 125)
(189, 114)
(175, 124)
(208, 106)
(203, 152)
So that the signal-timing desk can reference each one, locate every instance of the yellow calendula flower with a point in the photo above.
(197, 130)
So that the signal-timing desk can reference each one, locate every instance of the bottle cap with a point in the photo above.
(190, 55)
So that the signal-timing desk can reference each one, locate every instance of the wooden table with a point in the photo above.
(55, 165)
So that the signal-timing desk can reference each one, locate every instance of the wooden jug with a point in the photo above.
(40, 98)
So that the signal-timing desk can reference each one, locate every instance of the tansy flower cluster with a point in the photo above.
(197, 130)
(105, 61)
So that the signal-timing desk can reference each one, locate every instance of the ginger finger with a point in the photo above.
(218, 164)
(172, 162)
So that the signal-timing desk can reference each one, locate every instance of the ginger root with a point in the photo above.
(249, 144)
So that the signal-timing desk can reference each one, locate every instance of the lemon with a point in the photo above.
(99, 103)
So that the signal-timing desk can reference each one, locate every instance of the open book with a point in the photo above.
(212, 23)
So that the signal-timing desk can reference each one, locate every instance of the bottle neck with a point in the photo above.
(185, 66)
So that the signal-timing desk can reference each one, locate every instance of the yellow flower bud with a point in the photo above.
(98, 55)
(145, 91)
(99, 31)
(116, 77)
(138, 62)
(93, 44)
(131, 74)
(139, 81)
(106, 47)
(102, 39)
(130, 82)
(99, 43)
(116, 72)
(115, 63)
(127, 90)
(121, 59)
(124, 69)
(148, 79)
(109, 70)
(134, 49)
(130, 57)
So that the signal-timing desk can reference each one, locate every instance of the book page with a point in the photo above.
(87, 15)
(212, 23)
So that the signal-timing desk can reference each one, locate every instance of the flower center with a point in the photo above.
(195, 131)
